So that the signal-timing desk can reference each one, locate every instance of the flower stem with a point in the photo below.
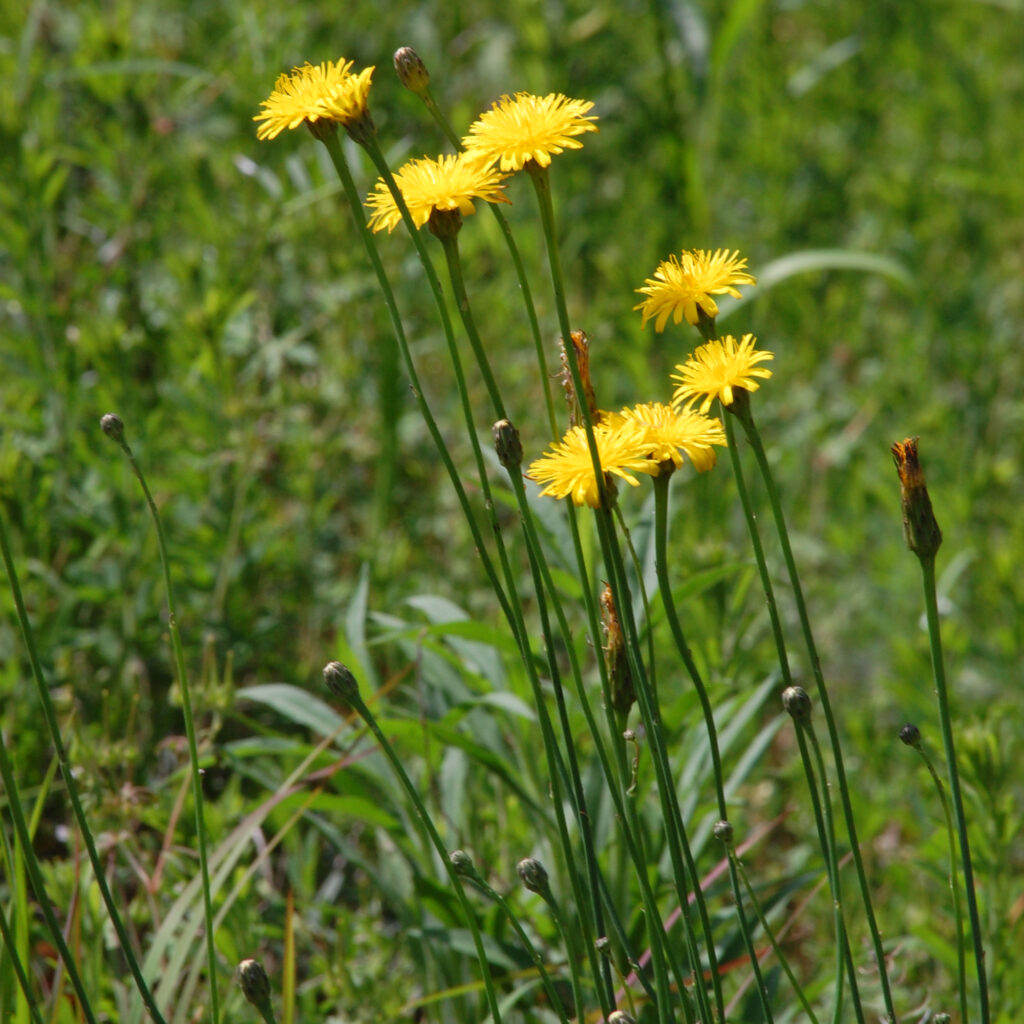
(959, 817)
(742, 411)
(190, 730)
(71, 784)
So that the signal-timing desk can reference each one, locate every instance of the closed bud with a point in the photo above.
(412, 72)
(113, 426)
(722, 831)
(341, 682)
(462, 863)
(507, 444)
(920, 528)
(621, 1017)
(533, 875)
(797, 703)
(911, 735)
(255, 983)
(620, 679)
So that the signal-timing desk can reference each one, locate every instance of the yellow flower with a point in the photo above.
(568, 470)
(450, 182)
(525, 127)
(685, 282)
(676, 433)
(322, 92)
(718, 367)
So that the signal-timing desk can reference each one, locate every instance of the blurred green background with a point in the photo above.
(156, 260)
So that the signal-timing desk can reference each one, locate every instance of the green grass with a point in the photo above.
(156, 260)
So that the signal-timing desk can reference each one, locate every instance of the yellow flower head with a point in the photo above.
(525, 127)
(718, 367)
(322, 92)
(677, 433)
(450, 182)
(568, 470)
(685, 282)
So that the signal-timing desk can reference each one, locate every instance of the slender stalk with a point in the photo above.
(741, 409)
(828, 848)
(465, 867)
(343, 685)
(11, 948)
(70, 782)
(766, 928)
(959, 817)
(115, 430)
(954, 881)
(35, 875)
(517, 263)
(330, 141)
(661, 485)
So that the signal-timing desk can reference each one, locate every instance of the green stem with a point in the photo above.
(517, 263)
(71, 784)
(959, 817)
(352, 195)
(766, 928)
(190, 730)
(828, 850)
(954, 881)
(661, 485)
(11, 945)
(532, 951)
(354, 699)
(741, 408)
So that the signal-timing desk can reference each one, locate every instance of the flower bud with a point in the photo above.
(507, 444)
(722, 831)
(911, 735)
(919, 525)
(254, 982)
(462, 863)
(620, 1017)
(341, 682)
(113, 426)
(620, 679)
(797, 703)
(533, 875)
(412, 72)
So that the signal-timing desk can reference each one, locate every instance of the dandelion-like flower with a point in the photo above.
(675, 433)
(315, 92)
(451, 182)
(568, 470)
(685, 283)
(524, 127)
(715, 369)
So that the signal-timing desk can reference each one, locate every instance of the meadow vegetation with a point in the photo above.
(159, 261)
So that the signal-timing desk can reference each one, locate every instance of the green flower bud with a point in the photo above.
(462, 863)
(341, 682)
(412, 72)
(113, 426)
(533, 875)
(722, 831)
(507, 444)
(911, 735)
(255, 983)
(797, 703)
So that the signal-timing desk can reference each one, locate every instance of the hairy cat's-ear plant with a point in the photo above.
(255, 985)
(924, 538)
(113, 427)
(465, 868)
(342, 683)
(910, 735)
(729, 371)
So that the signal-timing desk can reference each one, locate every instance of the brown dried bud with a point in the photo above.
(919, 525)
(581, 348)
(620, 681)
